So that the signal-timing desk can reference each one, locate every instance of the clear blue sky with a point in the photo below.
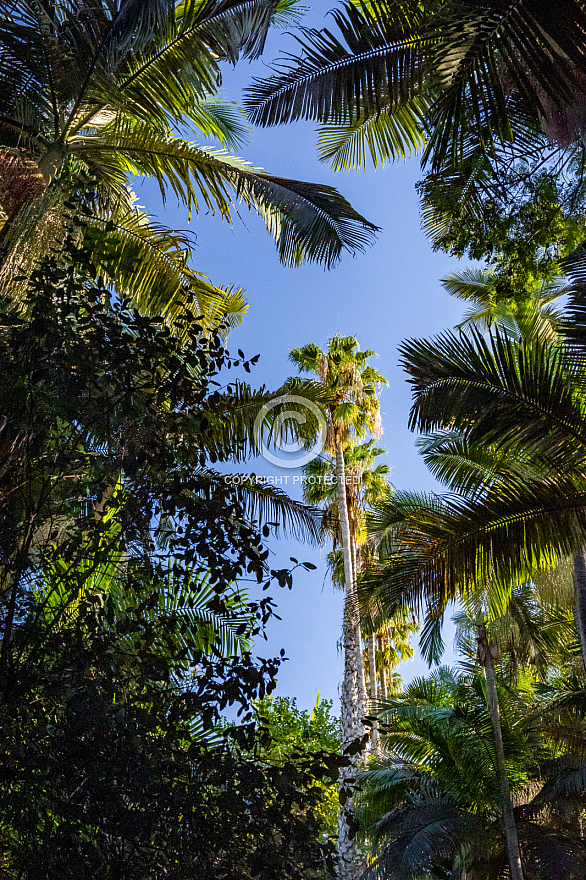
(389, 293)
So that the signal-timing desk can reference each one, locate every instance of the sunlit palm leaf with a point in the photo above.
(448, 545)
(150, 264)
(394, 133)
(308, 221)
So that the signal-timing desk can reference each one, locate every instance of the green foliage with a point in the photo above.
(535, 638)
(504, 421)
(91, 96)
(457, 75)
(522, 216)
(126, 633)
(290, 734)
(431, 805)
(102, 774)
(494, 303)
(100, 397)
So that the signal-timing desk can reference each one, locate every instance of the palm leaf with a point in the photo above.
(191, 620)
(496, 389)
(238, 420)
(485, 47)
(392, 134)
(450, 544)
(265, 503)
(308, 221)
(473, 468)
(150, 264)
(377, 61)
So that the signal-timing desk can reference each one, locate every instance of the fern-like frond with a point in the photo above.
(393, 133)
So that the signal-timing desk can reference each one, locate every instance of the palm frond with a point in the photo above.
(393, 133)
(376, 61)
(308, 221)
(161, 82)
(471, 467)
(266, 504)
(574, 327)
(191, 620)
(238, 420)
(216, 117)
(150, 264)
(496, 389)
(489, 48)
(237, 28)
(448, 545)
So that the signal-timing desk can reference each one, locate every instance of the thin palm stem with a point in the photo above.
(510, 827)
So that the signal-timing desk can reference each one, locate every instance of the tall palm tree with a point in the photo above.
(451, 76)
(431, 806)
(388, 634)
(366, 484)
(93, 93)
(353, 410)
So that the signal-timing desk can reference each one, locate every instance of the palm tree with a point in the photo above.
(453, 458)
(387, 634)
(535, 637)
(520, 314)
(92, 94)
(431, 807)
(451, 76)
(505, 428)
(365, 484)
(353, 409)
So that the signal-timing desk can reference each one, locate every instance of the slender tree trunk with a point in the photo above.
(510, 828)
(383, 669)
(350, 862)
(579, 576)
(373, 687)
(362, 698)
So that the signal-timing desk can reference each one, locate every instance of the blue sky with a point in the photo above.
(383, 296)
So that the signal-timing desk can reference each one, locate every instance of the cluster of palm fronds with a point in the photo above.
(447, 75)
(95, 94)
(430, 807)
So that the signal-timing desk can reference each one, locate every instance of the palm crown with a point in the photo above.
(94, 93)
(503, 419)
(450, 75)
(350, 381)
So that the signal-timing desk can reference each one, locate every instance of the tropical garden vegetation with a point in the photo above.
(141, 736)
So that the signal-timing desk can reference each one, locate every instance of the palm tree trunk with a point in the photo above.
(362, 699)
(383, 670)
(350, 862)
(373, 687)
(510, 828)
(579, 576)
